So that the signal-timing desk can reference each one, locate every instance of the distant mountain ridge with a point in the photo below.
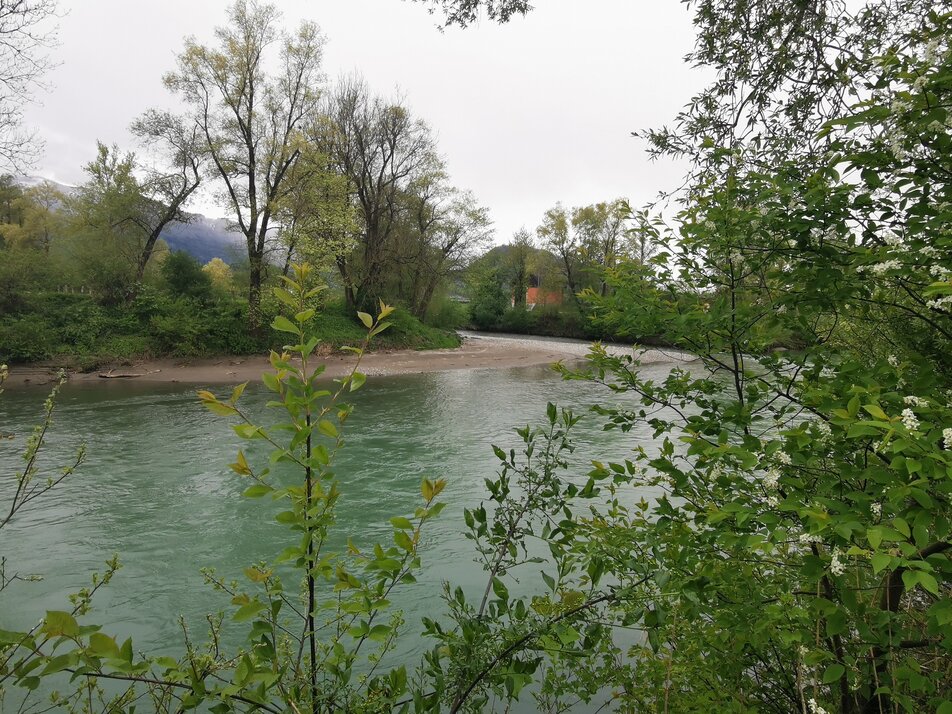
(201, 237)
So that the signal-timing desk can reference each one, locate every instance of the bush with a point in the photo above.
(181, 331)
(447, 314)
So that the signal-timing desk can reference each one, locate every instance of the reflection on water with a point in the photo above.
(156, 488)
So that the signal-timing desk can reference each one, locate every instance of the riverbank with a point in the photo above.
(478, 351)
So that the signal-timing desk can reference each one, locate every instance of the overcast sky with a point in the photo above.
(527, 114)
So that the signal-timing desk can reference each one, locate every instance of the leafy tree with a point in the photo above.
(185, 277)
(489, 300)
(249, 120)
(220, 274)
(42, 208)
(601, 231)
(318, 219)
(518, 258)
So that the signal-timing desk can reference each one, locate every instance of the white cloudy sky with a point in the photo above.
(527, 114)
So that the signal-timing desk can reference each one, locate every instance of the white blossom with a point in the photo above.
(823, 428)
(783, 457)
(876, 509)
(837, 567)
(880, 268)
(941, 303)
(940, 272)
(814, 707)
(892, 238)
(771, 478)
(920, 83)
(929, 251)
(807, 538)
(909, 420)
(932, 52)
(893, 361)
(947, 437)
(915, 401)
(899, 106)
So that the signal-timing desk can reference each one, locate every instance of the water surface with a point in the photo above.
(156, 489)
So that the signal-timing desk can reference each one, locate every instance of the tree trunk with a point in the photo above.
(254, 294)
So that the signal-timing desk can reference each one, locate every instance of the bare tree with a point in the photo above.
(248, 119)
(381, 148)
(450, 228)
(166, 188)
(25, 36)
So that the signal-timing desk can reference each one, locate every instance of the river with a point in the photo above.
(155, 488)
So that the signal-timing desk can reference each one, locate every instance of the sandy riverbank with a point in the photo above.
(478, 351)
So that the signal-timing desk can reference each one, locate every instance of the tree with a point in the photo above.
(43, 208)
(318, 219)
(26, 35)
(557, 234)
(165, 189)
(220, 274)
(519, 252)
(600, 230)
(381, 149)
(465, 12)
(249, 120)
(441, 230)
(185, 277)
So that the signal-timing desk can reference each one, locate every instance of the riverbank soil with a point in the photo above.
(478, 351)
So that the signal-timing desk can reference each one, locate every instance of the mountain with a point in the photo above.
(201, 237)
(205, 238)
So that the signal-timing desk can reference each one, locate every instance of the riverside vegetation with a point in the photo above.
(794, 555)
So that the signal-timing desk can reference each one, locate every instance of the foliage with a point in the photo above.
(489, 300)
(185, 277)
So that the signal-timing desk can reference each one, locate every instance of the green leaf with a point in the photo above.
(366, 319)
(58, 664)
(103, 646)
(57, 623)
(357, 381)
(285, 325)
(327, 428)
(237, 392)
(402, 523)
(403, 540)
(880, 561)
(247, 431)
(247, 612)
(257, 491)
(833, 673)
(876, 411)
(285, 297)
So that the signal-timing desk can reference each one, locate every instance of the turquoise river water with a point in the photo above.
(156, 489)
